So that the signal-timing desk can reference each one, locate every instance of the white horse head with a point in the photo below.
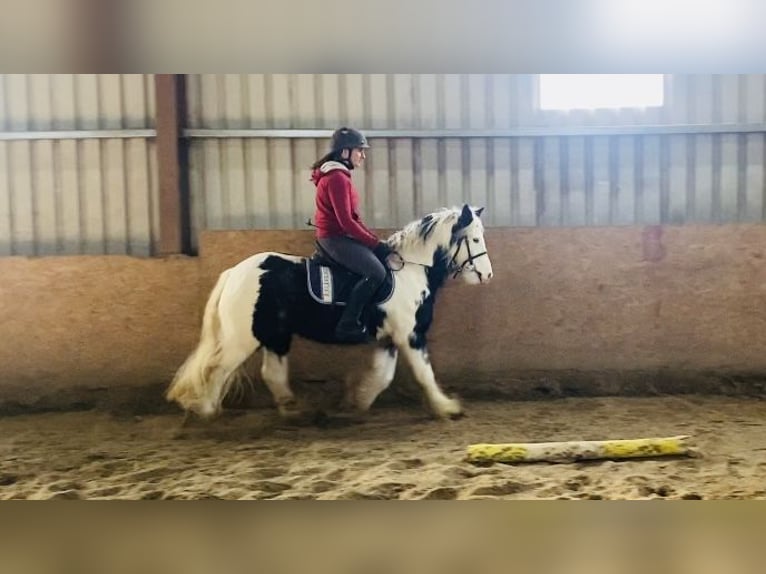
(450, 238)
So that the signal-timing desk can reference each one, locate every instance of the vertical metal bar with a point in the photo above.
(78, 151)
(741, 177)
(441, 146)
(102, 168)
(417, 150)
(34, 177)
(417, 178)
(539, 180)
(401, 117)
(614, 174)
(58, 193)
(742, 149)
(691, 179)
(393, 145)
(515, 215)
(589, 184)
(246, 120)
(293, 99)
(489, 164)
(565, 197)
(716, 200)
(369, 179)
(665, 179)
(465, 145)
(126, 166)
(172, 156)
(44, 185)
(58, 246)
(20, 167)
(638, 179)
(268, 105)
(224, 173)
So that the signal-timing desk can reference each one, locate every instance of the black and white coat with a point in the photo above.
(262, 302)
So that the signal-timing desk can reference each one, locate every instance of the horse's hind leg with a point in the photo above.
(222, 375)
(275, 373)
(361, 395)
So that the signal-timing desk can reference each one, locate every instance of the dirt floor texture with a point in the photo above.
(393, 453)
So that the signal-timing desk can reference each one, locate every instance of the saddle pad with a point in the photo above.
(327, 285)
(332, 285)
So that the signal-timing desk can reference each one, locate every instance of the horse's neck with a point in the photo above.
(422, 254)
(431, 255)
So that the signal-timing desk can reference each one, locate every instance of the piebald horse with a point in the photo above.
(263, 301)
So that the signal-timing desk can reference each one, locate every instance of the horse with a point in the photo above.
(260, 303)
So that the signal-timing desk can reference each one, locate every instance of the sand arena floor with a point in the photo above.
(395, 453)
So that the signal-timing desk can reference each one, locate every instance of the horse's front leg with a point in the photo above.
(361, 394)
(442, 406)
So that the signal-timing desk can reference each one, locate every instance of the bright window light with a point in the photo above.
(592, 91)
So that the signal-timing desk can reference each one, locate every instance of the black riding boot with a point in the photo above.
(350, 328)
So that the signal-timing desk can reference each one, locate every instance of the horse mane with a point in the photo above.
(434, 227)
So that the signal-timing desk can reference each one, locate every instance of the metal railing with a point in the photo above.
(530, 131)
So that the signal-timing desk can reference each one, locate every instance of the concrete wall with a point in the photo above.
(570, 311)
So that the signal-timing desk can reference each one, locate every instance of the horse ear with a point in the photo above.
(479, 211)
(465, 217)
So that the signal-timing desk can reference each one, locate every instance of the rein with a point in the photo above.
(453, 266)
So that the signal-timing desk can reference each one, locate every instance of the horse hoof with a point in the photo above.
(187, 420)
(293, 413)
(193, 420)
(350, 417)
(451, 410)
(350, 408)
(200, 414)
(290, 410)
(320, 419)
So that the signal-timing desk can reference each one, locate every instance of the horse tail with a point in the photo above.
(189, 385)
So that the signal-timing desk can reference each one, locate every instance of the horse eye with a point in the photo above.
(475, 239)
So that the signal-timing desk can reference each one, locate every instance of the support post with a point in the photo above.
(172, 161)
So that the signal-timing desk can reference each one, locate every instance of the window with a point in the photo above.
(592, 91)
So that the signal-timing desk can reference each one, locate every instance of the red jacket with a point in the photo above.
(337, 205)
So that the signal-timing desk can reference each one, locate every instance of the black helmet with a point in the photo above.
(348, 138)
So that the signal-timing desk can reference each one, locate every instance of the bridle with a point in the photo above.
(457, 268)
(453, 266)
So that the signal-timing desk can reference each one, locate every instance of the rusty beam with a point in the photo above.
(172, 160)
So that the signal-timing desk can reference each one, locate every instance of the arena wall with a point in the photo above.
(570, 311)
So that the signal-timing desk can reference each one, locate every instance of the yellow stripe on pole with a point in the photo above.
(568, 451)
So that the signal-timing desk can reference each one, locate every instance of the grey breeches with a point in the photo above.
(355, 256)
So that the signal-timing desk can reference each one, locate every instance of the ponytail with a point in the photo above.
(331, 156)
(327, 157)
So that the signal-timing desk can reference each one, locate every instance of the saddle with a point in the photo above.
(330, 283)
